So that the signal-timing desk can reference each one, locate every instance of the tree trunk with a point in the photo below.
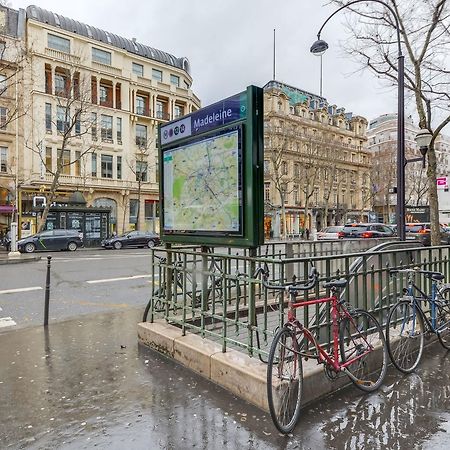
(50, 199)
(433, 198)
(138, 214)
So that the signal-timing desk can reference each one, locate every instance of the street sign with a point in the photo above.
(393, 190)
(441, 182)
(212, 178)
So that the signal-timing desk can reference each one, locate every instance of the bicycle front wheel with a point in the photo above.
(284, 380)
(361, 340)
(405, 336)
(443, 319)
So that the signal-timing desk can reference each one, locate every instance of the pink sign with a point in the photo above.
(441, 181)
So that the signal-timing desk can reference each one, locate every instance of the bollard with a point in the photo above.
(47, 292)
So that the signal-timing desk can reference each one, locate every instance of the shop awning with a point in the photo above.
(6, 209)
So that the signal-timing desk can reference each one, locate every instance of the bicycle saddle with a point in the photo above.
(335, 283)
(434, 275)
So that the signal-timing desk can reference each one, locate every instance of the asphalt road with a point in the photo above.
(82, 282)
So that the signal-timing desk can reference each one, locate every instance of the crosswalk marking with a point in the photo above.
(107, 280)
(6, 322)
(13, 291)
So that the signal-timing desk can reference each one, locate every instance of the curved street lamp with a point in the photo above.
(320, 46)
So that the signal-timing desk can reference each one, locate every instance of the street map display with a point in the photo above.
(202, 186)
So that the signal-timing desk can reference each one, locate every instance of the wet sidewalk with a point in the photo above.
(87, 384)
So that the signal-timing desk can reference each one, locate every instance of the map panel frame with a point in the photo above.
(169, 184)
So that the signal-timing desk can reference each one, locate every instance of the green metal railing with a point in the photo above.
(214, 295)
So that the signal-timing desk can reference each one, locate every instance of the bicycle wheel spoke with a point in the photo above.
(405, 336)
(443, 318)
(284, 380)
(362, 341)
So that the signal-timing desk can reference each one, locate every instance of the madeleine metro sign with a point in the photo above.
(211, 180)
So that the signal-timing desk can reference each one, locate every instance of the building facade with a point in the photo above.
(91, 117)
(11, 116)
(316, 163)
(382, 144)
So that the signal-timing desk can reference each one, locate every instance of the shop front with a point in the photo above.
(92, 223)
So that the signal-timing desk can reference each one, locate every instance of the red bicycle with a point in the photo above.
(358, 349)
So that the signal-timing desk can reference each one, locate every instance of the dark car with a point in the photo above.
(132, 239)
(422, 232)
(367, 230)
(51, 240)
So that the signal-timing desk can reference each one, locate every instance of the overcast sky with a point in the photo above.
(230, 44)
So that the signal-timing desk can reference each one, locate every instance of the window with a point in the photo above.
(101, 56)
(94, 164)
(77, 163)
(62, 119)
(178, 111)
(175, 79)
(138, 69)
(66, 162)
(48, 159)
(3, 85)
(103, 94)
(3, 118)
(266, 192)
(106, 130)
(58, 43)
(134, 204)
(284, 168)
(140, 105)
(141, 135)
(48, 117)
(157, 74)
(119, 130)
(159, 110)
(60, 84)
(107, 166)
(3, 159)
(77, 122)
(141, 170)
(94, 126)
(119, 167)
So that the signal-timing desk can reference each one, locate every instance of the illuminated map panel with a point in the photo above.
(203, 186)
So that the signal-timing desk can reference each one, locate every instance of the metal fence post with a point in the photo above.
(47, 291)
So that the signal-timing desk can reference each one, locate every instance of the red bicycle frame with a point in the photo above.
(337, 311)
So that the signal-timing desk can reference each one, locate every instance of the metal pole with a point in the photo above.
(47, 292)
(321, 75)
(401, 149)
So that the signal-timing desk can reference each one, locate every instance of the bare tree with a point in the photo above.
(425, 34)
(309, 172)
(74, 124)
(139, 166)
(283, 179)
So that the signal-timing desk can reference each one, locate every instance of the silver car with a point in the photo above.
(330, 233)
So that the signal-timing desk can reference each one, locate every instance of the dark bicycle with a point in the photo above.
(414, 315)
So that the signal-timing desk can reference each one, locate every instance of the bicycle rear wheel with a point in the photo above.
(405, 336)
(361, 338)
(284, 380)
(443, 319)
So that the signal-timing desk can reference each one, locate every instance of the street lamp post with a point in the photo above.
(320, 46)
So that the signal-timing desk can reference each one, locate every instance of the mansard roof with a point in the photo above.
(106, 37)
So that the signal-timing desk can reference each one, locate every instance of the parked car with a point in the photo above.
(51, 240)
(132, 239)
(422, 232)
(331, 233)
(367, 230)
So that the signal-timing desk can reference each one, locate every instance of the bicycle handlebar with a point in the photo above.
(312, 280)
